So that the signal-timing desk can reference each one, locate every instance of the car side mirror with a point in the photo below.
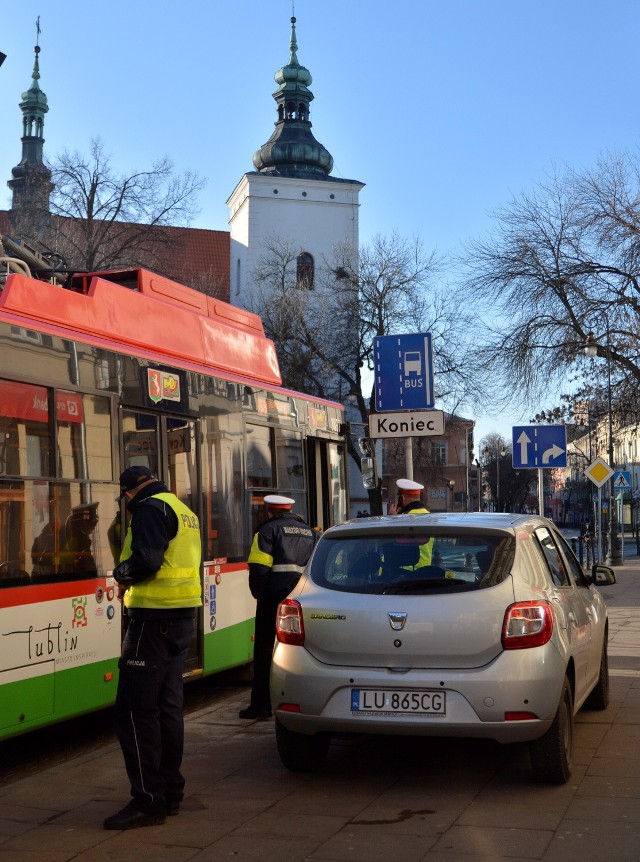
(603, 576)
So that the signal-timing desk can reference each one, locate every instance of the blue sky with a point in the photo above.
(444, 108)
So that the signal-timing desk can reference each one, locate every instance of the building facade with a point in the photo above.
(442, 464)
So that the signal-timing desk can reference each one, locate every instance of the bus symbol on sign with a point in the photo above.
(412, 362)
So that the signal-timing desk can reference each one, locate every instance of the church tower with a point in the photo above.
(31, 183)
(291, 198)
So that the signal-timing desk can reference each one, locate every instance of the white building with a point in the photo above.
(291, 197)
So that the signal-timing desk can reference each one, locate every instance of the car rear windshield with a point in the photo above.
(428, 563)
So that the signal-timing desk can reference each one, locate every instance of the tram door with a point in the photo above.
(326, 479)
(167, 446)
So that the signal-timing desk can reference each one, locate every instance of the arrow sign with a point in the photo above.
(553, 452)
(539, 446)
(523, 440)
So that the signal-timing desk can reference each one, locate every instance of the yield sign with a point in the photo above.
(599, 472)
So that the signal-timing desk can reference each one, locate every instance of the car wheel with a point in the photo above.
(552, 754)
(300, 752)
(599, 697)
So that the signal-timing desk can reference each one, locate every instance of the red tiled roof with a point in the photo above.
(194, 256)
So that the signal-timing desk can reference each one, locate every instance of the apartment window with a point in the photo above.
(439, 452)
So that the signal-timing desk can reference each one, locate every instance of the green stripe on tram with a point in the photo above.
(31, 703)
(228, 647)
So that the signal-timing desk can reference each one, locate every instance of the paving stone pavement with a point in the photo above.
(376, 799)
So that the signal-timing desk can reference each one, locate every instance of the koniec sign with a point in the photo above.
(422, 423)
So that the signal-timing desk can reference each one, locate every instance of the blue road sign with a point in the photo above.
(539, 446)
(622, 480)
(403, 368)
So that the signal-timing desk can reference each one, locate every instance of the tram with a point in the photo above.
(124, 368)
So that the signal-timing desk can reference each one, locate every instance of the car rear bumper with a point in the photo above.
(317, 697)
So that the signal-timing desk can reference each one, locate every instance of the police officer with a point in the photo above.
(280, 550)
(159, 582)
(409, 499)
(410, 503)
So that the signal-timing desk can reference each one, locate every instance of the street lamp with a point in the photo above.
(478, 467)
(500, 453)
(592, 348)
(451, 485)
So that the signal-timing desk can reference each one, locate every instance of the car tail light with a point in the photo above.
(289, 624)
(289, 707)
(527, 624)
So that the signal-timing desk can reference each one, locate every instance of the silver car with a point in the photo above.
(471, 625)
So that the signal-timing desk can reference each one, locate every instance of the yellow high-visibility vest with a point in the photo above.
(176, 584)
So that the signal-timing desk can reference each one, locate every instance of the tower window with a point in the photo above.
(304, 270)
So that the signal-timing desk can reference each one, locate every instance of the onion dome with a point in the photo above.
(292, 150)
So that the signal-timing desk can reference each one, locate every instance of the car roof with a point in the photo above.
(445, 521)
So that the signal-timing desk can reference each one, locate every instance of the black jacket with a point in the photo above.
(281, 549)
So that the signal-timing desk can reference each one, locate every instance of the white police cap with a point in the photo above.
(278, 500)
(409, 486)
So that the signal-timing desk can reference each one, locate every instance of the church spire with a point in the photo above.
(292, 150)
(31, 183)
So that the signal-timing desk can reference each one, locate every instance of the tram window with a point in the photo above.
(12, 533)
(182, 477)
(260, 461)
(25, 438)
(53, 531)
(289, 460)
(140, 432)
(223, 514)
(84, 436)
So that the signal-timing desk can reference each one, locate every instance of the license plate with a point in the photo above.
(398, 701)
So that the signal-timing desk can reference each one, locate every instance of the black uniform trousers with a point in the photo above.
(149, 716)
(265, 635)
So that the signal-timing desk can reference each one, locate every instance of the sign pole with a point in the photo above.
(540, 492)
(620, 515)
(600, 472)
(408, 457)
(599, 525)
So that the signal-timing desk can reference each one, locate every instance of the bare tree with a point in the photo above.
(290, 319)
(101, 219)
(509, 489)
(324, 336)
(563, 262)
